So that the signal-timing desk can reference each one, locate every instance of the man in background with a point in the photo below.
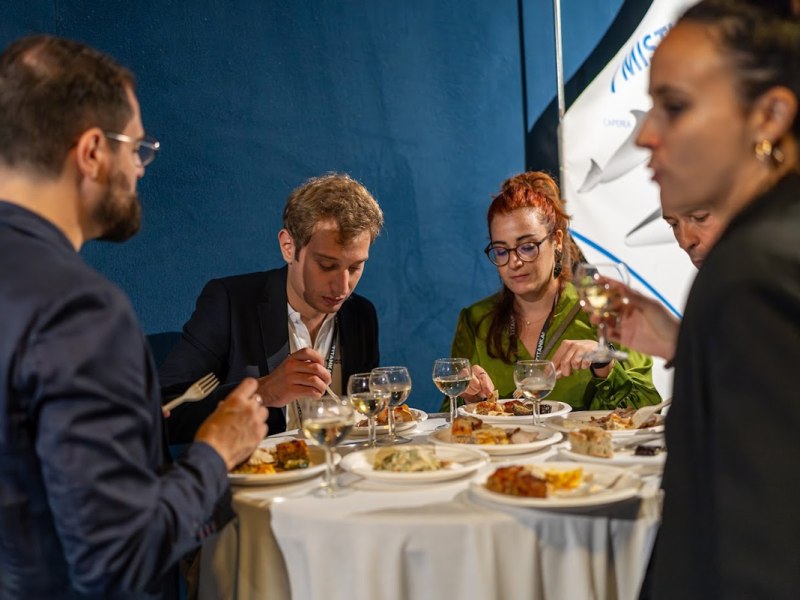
(90, 505)
(297, 329)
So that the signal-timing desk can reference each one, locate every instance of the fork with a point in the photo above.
(643, 414)
(197, 391)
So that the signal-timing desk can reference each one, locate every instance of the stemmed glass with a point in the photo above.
(366, 399)
(452, 376)
(535, 379)
(326, 422)
(603, 300)
(396, 383)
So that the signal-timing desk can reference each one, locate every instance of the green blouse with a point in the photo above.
(629, 383)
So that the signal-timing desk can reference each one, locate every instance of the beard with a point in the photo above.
(118, 212)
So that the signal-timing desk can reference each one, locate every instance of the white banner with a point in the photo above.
(614, 205)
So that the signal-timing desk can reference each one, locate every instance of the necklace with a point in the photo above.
(545, 326)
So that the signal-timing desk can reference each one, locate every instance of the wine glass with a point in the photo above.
(594, 283)
(452, 376)
(326, 422)
(367, 400)
(535, 379)
(396, 383)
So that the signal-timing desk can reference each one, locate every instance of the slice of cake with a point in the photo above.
(591, 441)
(292, 454)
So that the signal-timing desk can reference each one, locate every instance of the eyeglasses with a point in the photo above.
(526, 252)
(145, 147)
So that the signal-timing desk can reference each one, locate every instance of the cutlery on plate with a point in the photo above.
(197, 391)
(643, 414)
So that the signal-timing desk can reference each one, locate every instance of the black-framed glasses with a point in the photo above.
(526, 251)
(145, 148)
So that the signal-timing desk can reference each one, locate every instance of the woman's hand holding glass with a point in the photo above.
(326, 422)
(644, 324)
(603, 300)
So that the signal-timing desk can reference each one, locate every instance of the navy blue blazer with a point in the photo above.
(90, 505)
(239, 329)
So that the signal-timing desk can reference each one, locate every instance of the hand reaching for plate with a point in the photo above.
(480, 386)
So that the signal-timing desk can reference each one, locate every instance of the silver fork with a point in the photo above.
(197, 391)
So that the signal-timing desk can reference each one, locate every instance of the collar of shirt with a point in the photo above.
(299, 337)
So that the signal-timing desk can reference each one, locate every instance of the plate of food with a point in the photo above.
(405, 418)
(414, 463)
(512, 410)
(495, 439)
(557, 485)
(595, 445)
(277, 463)
(618, 422)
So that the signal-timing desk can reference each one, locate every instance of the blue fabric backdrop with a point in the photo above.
(420, 100)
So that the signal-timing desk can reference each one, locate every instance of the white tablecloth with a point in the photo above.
(392, 542)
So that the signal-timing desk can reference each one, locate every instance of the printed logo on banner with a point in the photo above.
(637, 59)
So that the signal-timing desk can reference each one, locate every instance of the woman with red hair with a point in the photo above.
(536, 313)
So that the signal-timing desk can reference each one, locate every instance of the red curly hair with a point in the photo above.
(539, 191)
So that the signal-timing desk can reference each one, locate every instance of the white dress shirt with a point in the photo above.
(299, 337)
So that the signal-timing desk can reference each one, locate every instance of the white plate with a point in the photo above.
(547, 438)
(625, 485)
(464, 460)
(623, 457)
(556, 409)
(582, 418)
(317, 466)
(421, 416)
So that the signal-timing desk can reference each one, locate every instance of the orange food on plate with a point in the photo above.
(286, 456)
(517, 481)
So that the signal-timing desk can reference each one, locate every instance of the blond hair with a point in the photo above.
(333, 197)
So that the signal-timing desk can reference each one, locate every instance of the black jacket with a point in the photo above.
(730, 527)
(240, 329)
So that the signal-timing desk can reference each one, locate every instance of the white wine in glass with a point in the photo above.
(367, 401)
(326, 422)
(396, 383)
(452, 376)
(594, 284)
(535, 379)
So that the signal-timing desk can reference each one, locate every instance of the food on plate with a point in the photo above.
(516, 408)
(494, 396)
(471, 430)
(286, 456)
(534, 481)
(648, 450)
(261, 462)
(407, 460)
(464, 426)
(622, 418)
(562, 480)
(292, 455)
(402, 414)
(591, 441)
(517, 481)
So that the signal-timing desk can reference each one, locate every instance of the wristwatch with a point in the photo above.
(602, 365)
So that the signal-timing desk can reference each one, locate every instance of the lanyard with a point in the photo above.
(332, 351)
(328, 365)
(512, 325)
